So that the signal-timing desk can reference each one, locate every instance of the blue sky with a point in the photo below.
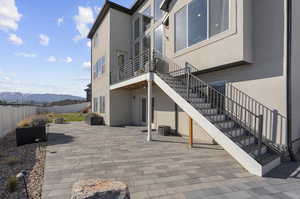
(43, 45)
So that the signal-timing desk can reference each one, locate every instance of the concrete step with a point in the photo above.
(209, 111)
(236, 132)
(253, 149)
(200, 105)
(217, 118)
(196, 100)
(225, 125)
(244, 140)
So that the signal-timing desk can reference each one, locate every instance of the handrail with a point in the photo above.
(136, 66)
(273, 124)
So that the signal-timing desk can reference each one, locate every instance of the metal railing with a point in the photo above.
(136, 66)
(274, 123)
(268, 126)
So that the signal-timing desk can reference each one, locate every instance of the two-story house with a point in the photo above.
(220, 71)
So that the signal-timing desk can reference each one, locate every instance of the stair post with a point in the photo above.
(188, 70)
(260, 132)
(190, 132)
(149, 123)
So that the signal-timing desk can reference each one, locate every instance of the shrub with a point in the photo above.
(11, 161)
(12, 184)
(35, 121)
(24, 123)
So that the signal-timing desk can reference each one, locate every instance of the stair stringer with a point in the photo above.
(248, 162)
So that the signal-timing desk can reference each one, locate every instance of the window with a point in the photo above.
(197, 21)
(158, 13)
(95, 107)
(193, 24)
(219, 16)
(146, 42)
(99, 67)
(136, 60)
(102, 104)
(146, 18)
(158, 39)
(181, 29)
(137, 28)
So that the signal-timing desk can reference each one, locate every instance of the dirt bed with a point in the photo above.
(30, 158)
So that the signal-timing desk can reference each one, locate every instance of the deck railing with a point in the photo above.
(136, 66)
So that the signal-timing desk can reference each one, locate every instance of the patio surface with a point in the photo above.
(164, 168)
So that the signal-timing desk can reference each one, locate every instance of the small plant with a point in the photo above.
(11, 161)
(24, 123)
(35, 121)
(12, 184)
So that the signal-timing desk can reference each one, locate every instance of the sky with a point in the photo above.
(43, 45)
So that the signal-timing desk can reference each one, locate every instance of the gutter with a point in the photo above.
(289, 79)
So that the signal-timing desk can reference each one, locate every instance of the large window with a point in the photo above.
(158, 13)
(193, 24)
(146, 18)
(137, 28)
(95, 107)
(146, 42)
(99, 67)
(219, 16)
(158, 39)
(181, 29)
(136, 59)
(197, 21)
(102, 104)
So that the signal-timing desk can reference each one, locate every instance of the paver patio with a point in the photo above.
(164, 168)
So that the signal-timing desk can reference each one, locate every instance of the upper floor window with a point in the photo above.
(193, 24)
(137, 28)
(158, 13)
(158, 39)
(99, 67)
(147, 18)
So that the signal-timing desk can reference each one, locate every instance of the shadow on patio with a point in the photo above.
(58, 138)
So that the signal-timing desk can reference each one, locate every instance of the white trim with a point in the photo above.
(144, 77)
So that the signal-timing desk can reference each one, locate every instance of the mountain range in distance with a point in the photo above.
(18, 97)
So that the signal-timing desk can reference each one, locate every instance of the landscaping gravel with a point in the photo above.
(13, 160)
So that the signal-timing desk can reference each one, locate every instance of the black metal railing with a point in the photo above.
(274, 123)
(268, 126)
(136, 66)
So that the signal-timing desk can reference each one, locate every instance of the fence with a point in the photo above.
(64, 109)
(10, 116)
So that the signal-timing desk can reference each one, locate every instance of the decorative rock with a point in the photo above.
(100, 189)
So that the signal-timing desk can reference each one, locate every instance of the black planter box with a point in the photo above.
(164, 130)
(94, 120)
(29, 135)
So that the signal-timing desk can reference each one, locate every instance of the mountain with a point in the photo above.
(17, 97)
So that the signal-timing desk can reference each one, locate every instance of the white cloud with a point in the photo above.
(60, 21)
(68, 60)
(51, 59)
(97, 9)
(44, 39)
(86, 65)
(15, 39)
(26, 55)
(9, 15)
(88, 44)
(83, 19)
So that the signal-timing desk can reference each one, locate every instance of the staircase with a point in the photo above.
(243, 130)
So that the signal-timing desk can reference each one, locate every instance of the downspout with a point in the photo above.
(289, 80)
